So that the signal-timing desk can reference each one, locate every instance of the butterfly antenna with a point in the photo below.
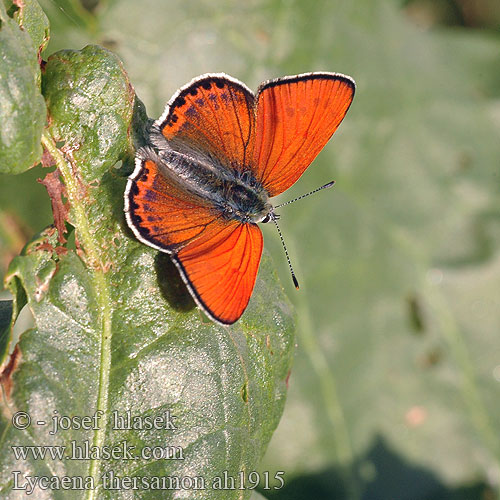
(273, 217)
(329, 185)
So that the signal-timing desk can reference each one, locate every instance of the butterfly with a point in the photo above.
(218, 154)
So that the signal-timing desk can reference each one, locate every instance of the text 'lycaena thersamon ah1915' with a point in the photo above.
(219, 154)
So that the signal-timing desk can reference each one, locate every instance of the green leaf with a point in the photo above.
(32, 18)
(22, 113)
(90, 104)
(115, 328)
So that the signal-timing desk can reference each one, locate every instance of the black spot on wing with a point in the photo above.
(191, 112)
(150, 195)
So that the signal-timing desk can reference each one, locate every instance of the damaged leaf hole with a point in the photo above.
(268, 345)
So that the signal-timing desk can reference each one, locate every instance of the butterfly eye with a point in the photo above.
(267, 218)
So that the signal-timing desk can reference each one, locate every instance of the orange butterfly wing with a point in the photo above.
(213, 114)
(296, 116)
(160, 212)
(218, 258)
(220, 269)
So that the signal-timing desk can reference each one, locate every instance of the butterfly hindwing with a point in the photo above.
(220, 269)
(214, 114)
(296, 116)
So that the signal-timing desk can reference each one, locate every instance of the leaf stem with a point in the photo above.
(101, 286)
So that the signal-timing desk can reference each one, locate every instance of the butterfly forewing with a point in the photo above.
(296, 116)
(213, 114)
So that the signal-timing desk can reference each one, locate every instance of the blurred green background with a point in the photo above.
(395, 391)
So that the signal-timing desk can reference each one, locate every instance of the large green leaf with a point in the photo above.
(32, 18)
(22, 113)
(116, 330)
